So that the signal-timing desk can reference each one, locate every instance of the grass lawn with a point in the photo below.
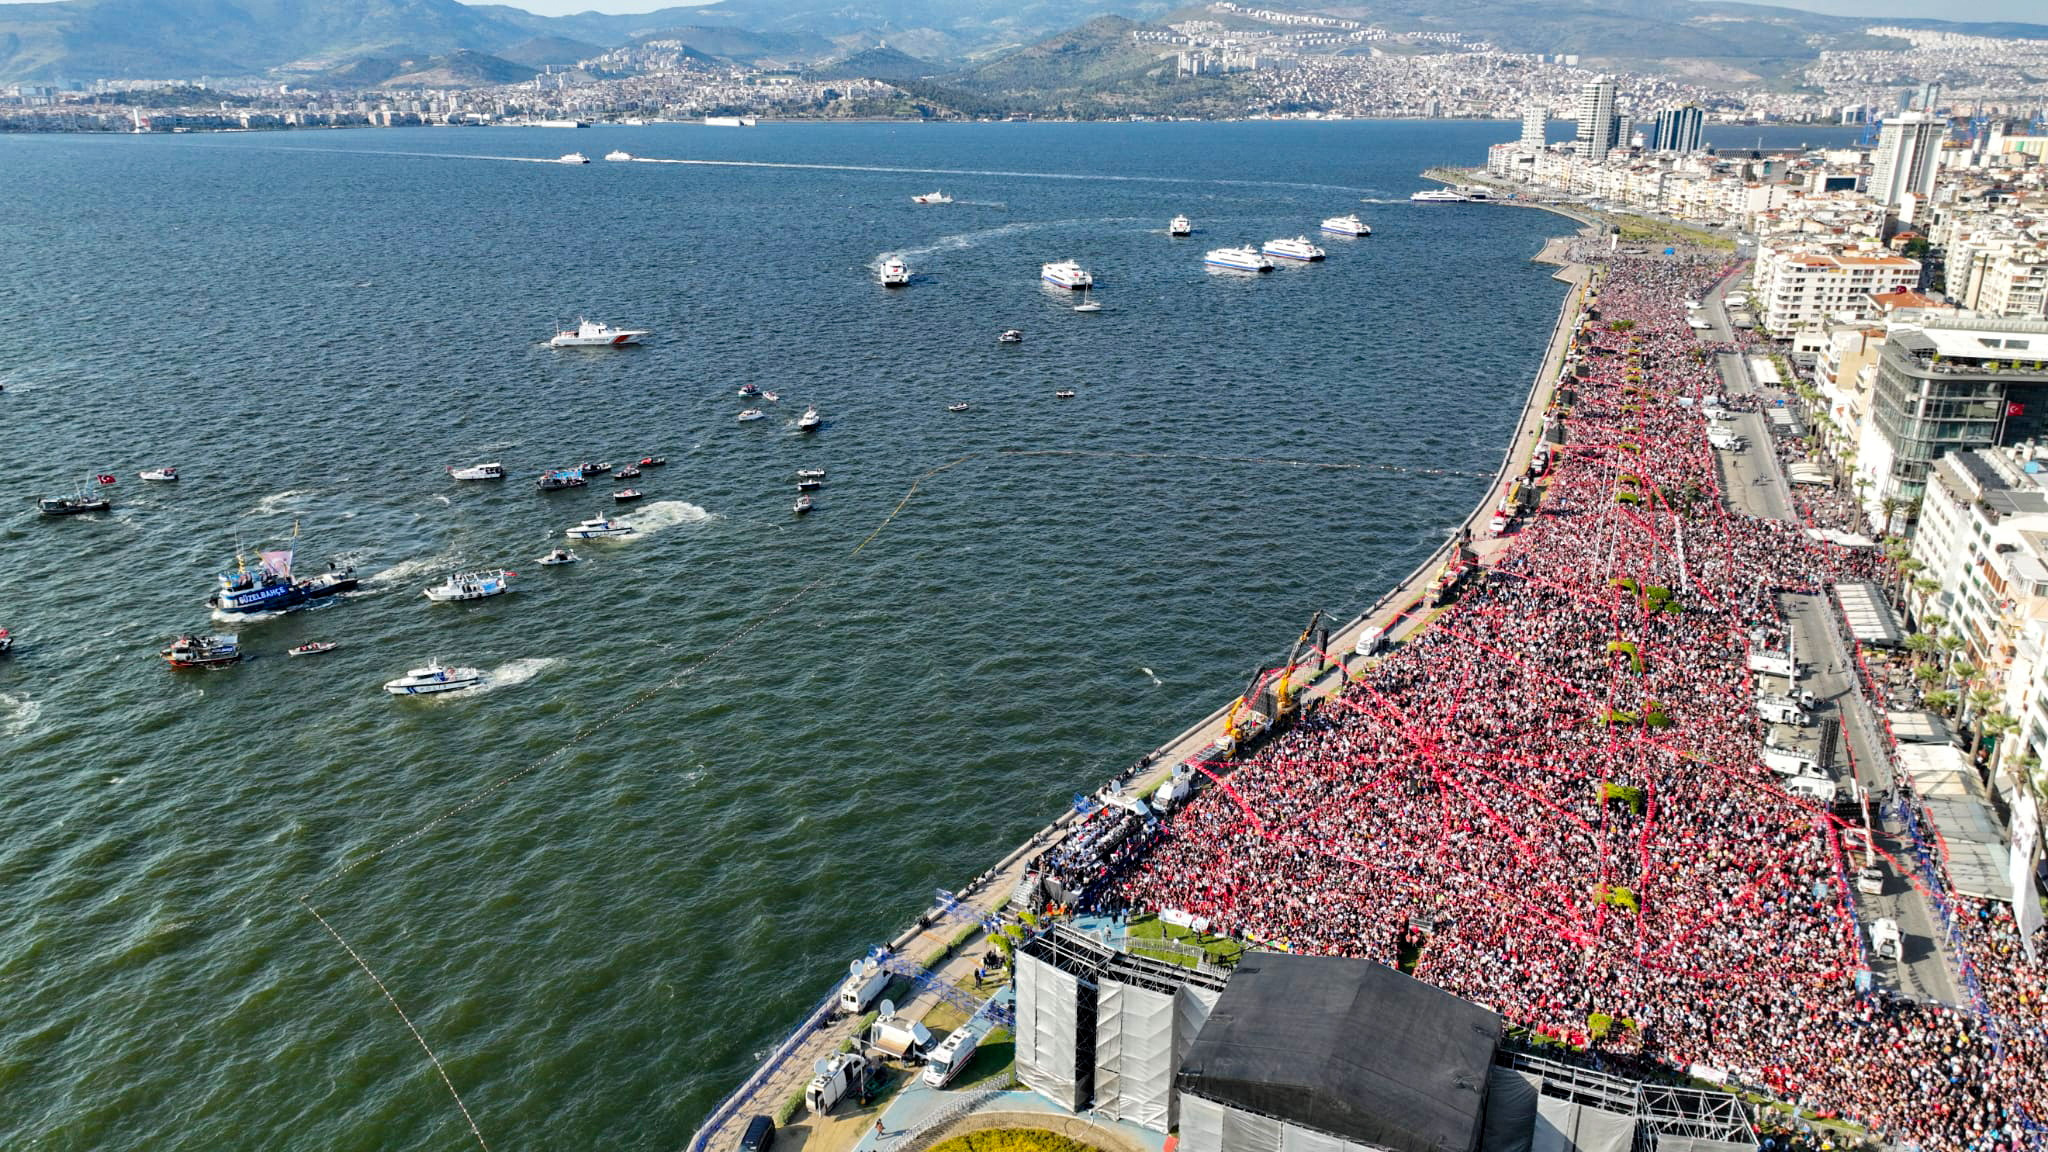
(1222, 950)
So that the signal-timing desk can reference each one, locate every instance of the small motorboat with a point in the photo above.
(599, 468)
(490, 471)
(1064, 394)
(749, 415)
(626, 473)
(596, 334)
(653, 461)
(202, 652)
(810, 419)
(960, 407)
(573, 158)
(1179, 226)
(618, 155)
(626, 495)
(159, 475)
(471, 586)
(558, 556)
(1011, 336)
(810, 473)
(312, 648)
(894, 273)
(750, 390)
(803, 505)
(600, 527)
(556, 479)
(771, 397)
(435, 677)
(809, 484)
(6, 641)
(932, 198)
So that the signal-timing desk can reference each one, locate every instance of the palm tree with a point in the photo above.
(1996, 725)
(1950, 644)
(1926, 586)
(1921, 645)
(1981, 701)
(1941, 701)
(1929, 675)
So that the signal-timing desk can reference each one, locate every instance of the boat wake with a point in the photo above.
(511, 674)
(667, 514)
(18, 713)
(404, 571)
(277, 503)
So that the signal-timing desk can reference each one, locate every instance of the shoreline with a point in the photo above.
(788, 1064)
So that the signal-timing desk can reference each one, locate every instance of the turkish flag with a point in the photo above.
(2015, 408)
(106, 478)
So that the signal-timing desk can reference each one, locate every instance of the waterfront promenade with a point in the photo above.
(1399, 613)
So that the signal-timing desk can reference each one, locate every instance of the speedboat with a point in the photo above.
(573, 158)
(1179, 226)
(894, 273)
(312, 648)
(653, 461)
(810, 473)
(1064, 394)
(435, 677)
(593, 334)
(626, 473)
(1439, 196)
(618, 154)
(556, 479)
(803, 505)
(78, 503)
(558, 556)
(1349, 225)
(748, 415)
(1242, 259)
(625, 495)
(772, 397)
(471, 586)
(1295, 248)
(491, 471)
(160, 475)
(600, 527)
(1010, 336)
(202, 652)
(959, 407)
(1066, 274)
(750, 390)
(809, 484)
(932, 198)
(810, 419)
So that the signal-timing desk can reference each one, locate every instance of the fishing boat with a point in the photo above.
(600, 527)
(593, 334)
(626, 495)
(750, 390)
(159, 475)
(1064, 394)
(749, 415)
(272, 585)
(491, 471)
(932, 198)
(556, 479)
(471, 586)
(1179, 226)
(803, 505)
(312, 648)
(627, 473)
(893, 273)
(1010, 336)
(653, 461)
(809, 420)
(435, 677)
(80, 502)
(960, 406)
(557, 557)
(202, 652)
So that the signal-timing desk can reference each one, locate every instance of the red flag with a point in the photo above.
(2015, 408)
(106, 478)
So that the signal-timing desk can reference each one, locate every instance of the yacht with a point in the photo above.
(1066, 274)
(592, 334)
(1010, 336)
(653, 461)
(202, 652)
(810, 473)
(470, 586)
(749, 390)
(573, 158)
(803, 505)
(1295, 248)
(1179, 226)
(749, 415)
(1347, 226)
(598, 468)
(894, 274)
(435, 677)
(558, 556)
(1087, 305)
(618, 154)
(1243, 259)
(1439, 196)
(491, 471)
(810, 419)
(160, 475)
(932, 198)
(556, 479)
(599, 527)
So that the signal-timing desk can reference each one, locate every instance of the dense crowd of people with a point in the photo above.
(1549, 801)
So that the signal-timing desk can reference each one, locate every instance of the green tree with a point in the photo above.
(1921, 645)
(1996, 725)
(1941, 701)
(1981, 702)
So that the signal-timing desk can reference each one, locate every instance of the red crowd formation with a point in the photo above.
(1550, 801)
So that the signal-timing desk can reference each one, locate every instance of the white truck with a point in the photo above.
(1818, 789)
(839, 1077)
(896, 1037)
(1370, 640)
(1790, 762)
(952, 1054)
(1782, 710)
(1726, 439)
(1885, 939)
(1772, 663)
(864, 982)
(1172, 790)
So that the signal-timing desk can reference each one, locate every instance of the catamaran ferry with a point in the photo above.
(1066, 274)
(1242, 259)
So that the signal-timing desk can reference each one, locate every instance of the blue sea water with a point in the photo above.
(742, 747)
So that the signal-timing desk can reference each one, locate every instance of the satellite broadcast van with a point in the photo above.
(865, 981)
(1884, 938)
(1816, 788)
(1780, 710)
(1370, 641)
(839, 1077)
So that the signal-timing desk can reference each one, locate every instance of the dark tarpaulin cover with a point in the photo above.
(1347, 1047)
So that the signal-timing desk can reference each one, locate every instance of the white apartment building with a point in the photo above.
(1535, 122)
(2000, 274)
(1908, 153)
(1597, 134)
(1802, 288)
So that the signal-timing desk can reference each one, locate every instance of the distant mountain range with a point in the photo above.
(81, 40)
